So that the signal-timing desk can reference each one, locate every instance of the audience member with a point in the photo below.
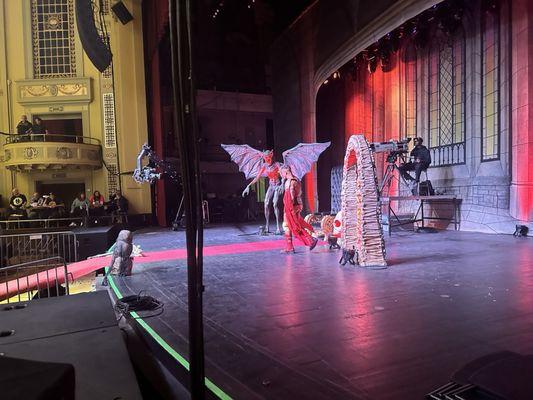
(38, 129)
(17, 202)
(80, 206)
(24, 127)
(36, 203)
(117, 204)
(96, 203)
(56, 207)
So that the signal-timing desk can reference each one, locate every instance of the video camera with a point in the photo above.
(395, 148)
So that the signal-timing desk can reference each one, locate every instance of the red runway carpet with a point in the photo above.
(82, 268)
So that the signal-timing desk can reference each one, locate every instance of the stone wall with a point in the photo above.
(495, 194)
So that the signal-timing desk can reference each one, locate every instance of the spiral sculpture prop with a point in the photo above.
(361, 226)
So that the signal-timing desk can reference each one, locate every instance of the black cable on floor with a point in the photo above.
(139, 303)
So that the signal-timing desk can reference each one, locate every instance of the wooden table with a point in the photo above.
(419, 215)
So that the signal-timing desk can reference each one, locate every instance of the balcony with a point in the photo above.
(51, 152)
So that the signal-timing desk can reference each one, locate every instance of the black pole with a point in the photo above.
(186, 127)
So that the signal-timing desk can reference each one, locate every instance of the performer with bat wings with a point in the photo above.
(256, 164)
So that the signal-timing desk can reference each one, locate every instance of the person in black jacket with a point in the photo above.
(420, 161)
(24, 128)
(117, 203)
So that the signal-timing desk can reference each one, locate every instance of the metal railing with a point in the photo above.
(46, 223)
(39, 223)
(52, 137)
(29, 247)
(48, 277)
(452, 154)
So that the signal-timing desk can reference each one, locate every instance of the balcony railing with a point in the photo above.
(452, 154)
(51, 152)
(52, 137)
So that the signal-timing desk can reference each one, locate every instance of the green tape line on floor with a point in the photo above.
(168, 348)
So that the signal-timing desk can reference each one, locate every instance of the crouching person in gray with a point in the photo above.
(121, 262)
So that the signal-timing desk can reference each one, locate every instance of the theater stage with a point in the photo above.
(302, 327)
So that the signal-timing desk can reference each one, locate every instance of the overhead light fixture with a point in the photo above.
(372, 64)
(353, 69)
(491, 6)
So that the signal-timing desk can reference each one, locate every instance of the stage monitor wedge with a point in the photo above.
(95, 47)
(121, 12)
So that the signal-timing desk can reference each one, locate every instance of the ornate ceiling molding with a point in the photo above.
(49, 91)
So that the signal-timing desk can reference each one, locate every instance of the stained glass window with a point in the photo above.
(490, 139)
(447, 101)
(53, 37)
(410, 91)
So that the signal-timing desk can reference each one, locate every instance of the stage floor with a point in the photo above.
(301, 326)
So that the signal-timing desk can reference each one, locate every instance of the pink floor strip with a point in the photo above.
(78, 269)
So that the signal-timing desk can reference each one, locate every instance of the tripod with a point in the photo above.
(389, 172)
(178, 219)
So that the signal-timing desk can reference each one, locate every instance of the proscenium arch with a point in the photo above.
(396, 15)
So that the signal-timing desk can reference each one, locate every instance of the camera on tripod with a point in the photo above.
(395, 148)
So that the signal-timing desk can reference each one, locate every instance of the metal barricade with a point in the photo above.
(48, 277)
(27, 247)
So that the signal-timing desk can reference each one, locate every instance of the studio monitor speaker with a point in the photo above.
(121, 12)
(28, 379)
(95, 47)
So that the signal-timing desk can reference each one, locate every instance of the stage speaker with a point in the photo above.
(121, 12)
(95, 47)
(28, 379)
(93, 241)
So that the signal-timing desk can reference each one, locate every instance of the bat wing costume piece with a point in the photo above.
(256, 164)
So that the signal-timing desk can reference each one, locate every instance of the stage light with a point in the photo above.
(491, 6)
(384, 50)
(449, 16)
(372, 64)
(326, 81)
(353, 69)
(336, 75)
(419, 34)
(384, 63)
(393, 38)
(370, 58)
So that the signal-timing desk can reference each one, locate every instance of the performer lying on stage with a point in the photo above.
(293, 223)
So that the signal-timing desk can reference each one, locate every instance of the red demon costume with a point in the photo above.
(293, 223)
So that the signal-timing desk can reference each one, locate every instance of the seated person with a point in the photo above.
(36, 204)
(80, 206)
(96, 204)
(422, 158)
(17, 204)
(117, 204)
(55, 207)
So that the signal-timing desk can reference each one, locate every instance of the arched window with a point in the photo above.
(490, 111)
(53, 39)
(409, 102)
(447, 101)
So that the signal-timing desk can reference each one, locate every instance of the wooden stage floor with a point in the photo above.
(302, 327)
